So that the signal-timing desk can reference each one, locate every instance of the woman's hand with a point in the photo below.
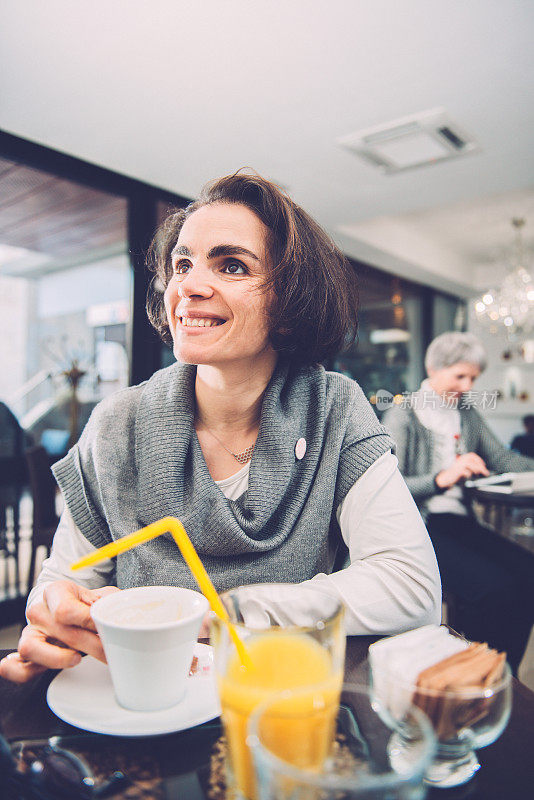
(464, 466)
(61, 629)
(204, 632)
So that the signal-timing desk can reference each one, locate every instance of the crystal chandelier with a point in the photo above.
(511, 305)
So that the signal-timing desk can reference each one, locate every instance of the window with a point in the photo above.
(396, 321)
(65, 300)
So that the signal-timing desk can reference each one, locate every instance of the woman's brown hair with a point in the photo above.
(313, 315)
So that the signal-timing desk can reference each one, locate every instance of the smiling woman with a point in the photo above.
(277, 469)
(312, 287)
(215, 302)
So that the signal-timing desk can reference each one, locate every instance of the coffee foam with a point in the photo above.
(148, 613)
(141, 608)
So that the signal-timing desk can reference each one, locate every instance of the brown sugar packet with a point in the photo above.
(432, 677)
(469, 674)
(496, 673)
(460, 712)
(475, 668)
(469, 713)
(457, 658)
(476, 673)
(467, 668)
(428, 679)
(193, 669)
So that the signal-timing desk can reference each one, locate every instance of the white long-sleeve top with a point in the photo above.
(444, 422)
(392, 583)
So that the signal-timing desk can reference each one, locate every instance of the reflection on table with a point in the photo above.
(511, 516)
(188, 764)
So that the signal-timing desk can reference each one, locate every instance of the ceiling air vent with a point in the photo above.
(426, 138)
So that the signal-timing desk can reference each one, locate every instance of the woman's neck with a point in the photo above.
(230, 400)
(427, 384)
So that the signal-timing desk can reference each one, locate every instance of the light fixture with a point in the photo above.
(397, 332)
(389, 336)
(429, 137)
(510, 307)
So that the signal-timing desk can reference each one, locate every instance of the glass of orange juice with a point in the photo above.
(295, 639)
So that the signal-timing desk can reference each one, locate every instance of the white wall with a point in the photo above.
(510, 376)
(76, 288)
(15, 302)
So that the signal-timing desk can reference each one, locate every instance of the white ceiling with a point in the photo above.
(176, 92)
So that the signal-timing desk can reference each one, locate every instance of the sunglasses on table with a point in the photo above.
(37, 770)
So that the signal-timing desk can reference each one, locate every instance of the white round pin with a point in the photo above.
(300, 449)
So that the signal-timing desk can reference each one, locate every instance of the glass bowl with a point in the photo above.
(463, 721)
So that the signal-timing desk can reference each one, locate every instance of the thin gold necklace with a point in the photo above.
(242, 457)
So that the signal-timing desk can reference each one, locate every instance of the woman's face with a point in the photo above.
(215, 308)
(453, 381)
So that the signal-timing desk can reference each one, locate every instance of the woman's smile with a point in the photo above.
(195, 322)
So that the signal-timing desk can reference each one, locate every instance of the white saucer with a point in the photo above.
(83, 696)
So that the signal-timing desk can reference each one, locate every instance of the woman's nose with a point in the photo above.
(196, 283)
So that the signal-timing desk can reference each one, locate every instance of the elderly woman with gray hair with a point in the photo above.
(441, 441)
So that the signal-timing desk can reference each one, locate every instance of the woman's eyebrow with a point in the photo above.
(217, 251)
(181, 250)
(231, 250)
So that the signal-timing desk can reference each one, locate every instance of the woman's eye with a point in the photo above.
(181, 268)
(235, 268)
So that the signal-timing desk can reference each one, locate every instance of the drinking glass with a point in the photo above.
(294, 638)
(463, 720)
(357, 766)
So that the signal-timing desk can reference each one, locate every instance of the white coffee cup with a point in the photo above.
(148, 634)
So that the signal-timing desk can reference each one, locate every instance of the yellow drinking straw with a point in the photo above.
(175, 527)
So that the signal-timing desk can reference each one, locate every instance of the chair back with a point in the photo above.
(43, 488)
(13, 474)
(45, 519)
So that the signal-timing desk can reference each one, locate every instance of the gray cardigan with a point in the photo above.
(414, 448)
(139, 459)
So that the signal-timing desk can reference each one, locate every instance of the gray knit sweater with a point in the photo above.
(139, 459)
(414, 448)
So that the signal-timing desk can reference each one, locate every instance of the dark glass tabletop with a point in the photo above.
(189, 764)
(510, 518)
(513, 499)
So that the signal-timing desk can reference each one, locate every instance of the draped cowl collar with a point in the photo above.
(139, 460)
(173, 477)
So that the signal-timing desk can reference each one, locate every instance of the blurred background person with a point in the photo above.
(442, 440)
